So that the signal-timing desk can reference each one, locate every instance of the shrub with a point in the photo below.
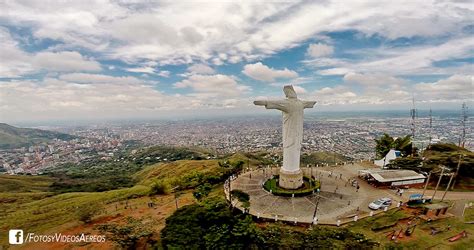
(202, 191)
(86, 212)
(160, 187)
(240, 195)
(127, 235)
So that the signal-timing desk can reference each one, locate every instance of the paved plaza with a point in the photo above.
(338, 199)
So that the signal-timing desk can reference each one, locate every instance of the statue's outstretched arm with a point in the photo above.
(280, 105)
(309, 104)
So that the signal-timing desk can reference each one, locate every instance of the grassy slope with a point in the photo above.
(174, 169)
(421, 238)
(17, 184)
(31, 207)
(13, 137)
(322, 157)
(35, 209)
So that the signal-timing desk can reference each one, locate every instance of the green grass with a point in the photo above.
(33, 208)
(383, 220)
(421, 238)
(308, 186)
(469, 214)
(323, 157)
(24, 183)
(174, 170)
(51, 212)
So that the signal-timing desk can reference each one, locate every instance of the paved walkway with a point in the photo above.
(339, 200)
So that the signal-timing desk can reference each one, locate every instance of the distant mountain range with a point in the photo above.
(13, 137)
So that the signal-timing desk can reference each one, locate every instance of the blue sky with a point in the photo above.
(106, 60)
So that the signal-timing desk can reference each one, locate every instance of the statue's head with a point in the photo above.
(289, 92)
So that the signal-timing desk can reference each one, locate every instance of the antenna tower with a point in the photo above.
(413, 116)
(431, 127)
(463, 123)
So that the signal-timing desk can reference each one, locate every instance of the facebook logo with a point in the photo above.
(15, 236)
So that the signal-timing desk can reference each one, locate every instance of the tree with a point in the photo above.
(202, 191)
(241, 196)
(212, 225)
(404, 145)
(412, 163)
(386, 142)
(208, 220)
(447, 154)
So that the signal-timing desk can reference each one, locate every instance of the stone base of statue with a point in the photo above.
(290, 180)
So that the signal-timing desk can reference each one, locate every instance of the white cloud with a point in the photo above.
(69, 97)
(147, 70)
(213, 85)
(374, 80)
(334, 71)
(319, 50)
(336, 95)
(261, 72)
(299, 90)
(454, 88)
(343, 95)
(64, 61)
(201, 69)
(13, 61)
(412, 60)
(226, 31)
(98, 79)
(164, 73)
(53, 98)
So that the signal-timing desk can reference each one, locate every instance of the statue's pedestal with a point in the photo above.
(290, 180)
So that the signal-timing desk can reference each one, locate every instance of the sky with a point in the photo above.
(69, 60)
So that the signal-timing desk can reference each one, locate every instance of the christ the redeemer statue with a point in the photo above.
(292, 108)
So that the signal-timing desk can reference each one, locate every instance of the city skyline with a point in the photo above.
(353, 137)
(152, 60)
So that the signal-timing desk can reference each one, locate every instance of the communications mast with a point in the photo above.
(463, 123)
(431, 127)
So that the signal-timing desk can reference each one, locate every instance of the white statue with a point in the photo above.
(292, 108)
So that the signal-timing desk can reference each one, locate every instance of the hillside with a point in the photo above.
(323, 157)
(38, 207)
(13, 137)
(163, 204)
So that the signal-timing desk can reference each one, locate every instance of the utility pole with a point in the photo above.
(426, 185)
(457, 170)
(177, 194)
(439, 181)
(449, 183)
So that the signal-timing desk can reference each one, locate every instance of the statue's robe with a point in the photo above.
(292, 110)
